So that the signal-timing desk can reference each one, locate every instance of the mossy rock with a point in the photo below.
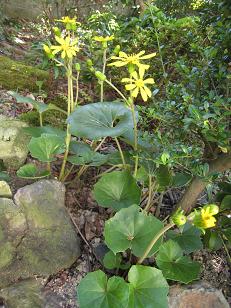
(16, 75)
(37, 236)
(52, 117)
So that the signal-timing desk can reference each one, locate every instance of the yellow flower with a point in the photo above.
(137, 84)
(178, 218)
(70, 23)
(132, 59)
(67, 47)
(103, 39)
(204, 218)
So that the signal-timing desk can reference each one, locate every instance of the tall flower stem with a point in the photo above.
(70, 108)
(150, 190)
(135, 137)
(103, 71)
(153, 242)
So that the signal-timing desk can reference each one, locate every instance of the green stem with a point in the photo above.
(148, 205)
(226, 249)
(77, 89)
(153, 242)
(135, 138)
(103, 71)
(117, 90)
(49, 166)
(121, 152)
(68, 140)
(40, 119)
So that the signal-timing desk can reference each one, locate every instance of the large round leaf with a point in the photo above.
(174, 265)
(98, 120)
(96, 291)
(149, 288)
(117, 189)
(131, 228)
(45, 148)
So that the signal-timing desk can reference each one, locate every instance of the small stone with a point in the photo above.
(197, 295)
(5, 190)
(13, 142)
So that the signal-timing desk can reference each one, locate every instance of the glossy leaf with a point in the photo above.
(45, 148)
(88, 158)
(99, 120)
(149, 288)
(174, 265)
(131, 228)
(117, 190)
(97, 291)
(38, 131)
(189, 238)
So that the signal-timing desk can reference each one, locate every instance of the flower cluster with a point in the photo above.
(67, 47)
(136, 84)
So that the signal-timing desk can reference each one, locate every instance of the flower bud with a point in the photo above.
(100, 76)
(89, 62)
(57, 31)
(77, 67)
(116, 50)
(179, 219)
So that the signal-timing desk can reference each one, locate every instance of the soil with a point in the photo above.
(89, 218)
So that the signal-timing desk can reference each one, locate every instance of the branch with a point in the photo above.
(197, 186)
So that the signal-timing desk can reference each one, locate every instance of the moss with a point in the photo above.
(6, 254)
(19, 76)
(52, 117)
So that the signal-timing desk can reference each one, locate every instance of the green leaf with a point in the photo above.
(99, 120)
(149, 288)
(212, 240)
(114, 158)
(131, 228)
(227, 234)
(30, 171)
(174, 265)
(117, 190)
(79, 148)
(96, 291)
(38, 131)
(112, 260)
(188, 239)
(88, 158)
(181, 179)
(163, 177)
(226, 203)
(45, 148)
(4, 176)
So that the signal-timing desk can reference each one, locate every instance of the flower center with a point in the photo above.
(139, 83)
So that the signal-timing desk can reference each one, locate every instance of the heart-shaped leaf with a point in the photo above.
(79, 148)
(117, 190)
(174, 265)
(30, 171)
(96, 291)
(45, 148)
(149, 288)
(189, 238)
(99, 120)
(131, 228)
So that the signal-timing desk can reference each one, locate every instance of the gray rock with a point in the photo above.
(197, 295)
(29, 294)
(37, 236)
(5, 190)
(13, 142)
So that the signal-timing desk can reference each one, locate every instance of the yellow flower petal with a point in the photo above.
(149, 81)
(135, 92)
(117, 64)
(135, 75)
(128, 80)
(151, 55)
(143, 94)
(130, 87)
(147, 90)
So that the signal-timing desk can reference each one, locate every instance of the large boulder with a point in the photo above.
(37, 236)
(13, 142)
